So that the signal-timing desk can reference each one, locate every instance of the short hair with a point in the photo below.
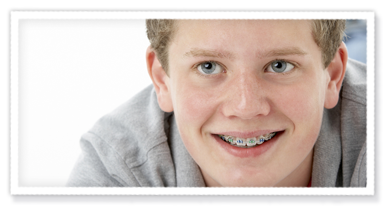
(327, 34)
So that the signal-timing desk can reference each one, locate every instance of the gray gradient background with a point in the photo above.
(241, 202)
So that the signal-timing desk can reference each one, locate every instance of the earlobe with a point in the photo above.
(336, 71)
(160, 80)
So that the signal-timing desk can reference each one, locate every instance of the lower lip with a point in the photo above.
(247, 152)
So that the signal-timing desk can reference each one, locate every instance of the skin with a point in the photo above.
(246, 96)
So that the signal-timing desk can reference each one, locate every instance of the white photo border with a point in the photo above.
(17, 16)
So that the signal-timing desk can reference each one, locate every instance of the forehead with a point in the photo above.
(264, 34)
(244, 25)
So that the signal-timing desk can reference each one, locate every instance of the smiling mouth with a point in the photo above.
(247, 142)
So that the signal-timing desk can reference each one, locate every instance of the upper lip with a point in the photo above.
(248, 134)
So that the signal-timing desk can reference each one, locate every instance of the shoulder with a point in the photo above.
(127, 141)
(353, 124)
(133, 128)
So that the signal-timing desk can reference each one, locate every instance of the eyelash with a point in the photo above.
(195, 67)
(284, 73)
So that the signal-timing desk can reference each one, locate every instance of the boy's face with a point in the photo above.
(245, 79)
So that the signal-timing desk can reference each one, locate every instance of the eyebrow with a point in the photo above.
(282, 52)
(195, 52)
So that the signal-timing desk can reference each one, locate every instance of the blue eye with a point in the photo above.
(210, 68)
(280, 66)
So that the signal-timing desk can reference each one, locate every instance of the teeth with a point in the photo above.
(231, 140)
(240, 142)
(251, 141)
(247, 142)
(260, 141)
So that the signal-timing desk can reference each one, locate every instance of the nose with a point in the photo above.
(247, 97)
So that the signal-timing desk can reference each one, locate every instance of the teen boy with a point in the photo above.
(236, 103)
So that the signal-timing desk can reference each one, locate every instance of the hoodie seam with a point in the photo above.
(147, 153)
(117, 153)
(359, 169)
(347, 96)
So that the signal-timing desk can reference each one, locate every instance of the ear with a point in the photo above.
(160, 80)
(336, 71)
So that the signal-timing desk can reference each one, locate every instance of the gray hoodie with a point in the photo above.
(139, 145)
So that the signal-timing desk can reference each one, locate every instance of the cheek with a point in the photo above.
(193, 105)
(302, 103)
(193, 108)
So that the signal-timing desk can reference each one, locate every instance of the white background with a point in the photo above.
(72, 72)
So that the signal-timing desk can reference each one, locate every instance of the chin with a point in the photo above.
(247, 177)
(232, 183)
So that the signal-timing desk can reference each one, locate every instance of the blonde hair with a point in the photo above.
(327, 34)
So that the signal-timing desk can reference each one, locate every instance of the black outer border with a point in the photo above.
(211, 202)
